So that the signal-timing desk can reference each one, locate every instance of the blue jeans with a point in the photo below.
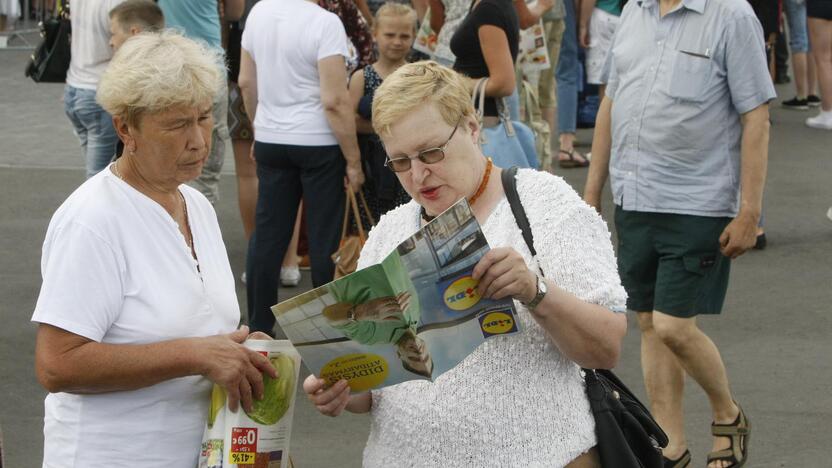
(566, 73)
(796, 17)
(93, 126)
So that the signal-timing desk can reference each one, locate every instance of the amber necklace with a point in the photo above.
(483, 183)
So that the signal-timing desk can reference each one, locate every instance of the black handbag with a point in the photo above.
(50, 61)
(628, 436)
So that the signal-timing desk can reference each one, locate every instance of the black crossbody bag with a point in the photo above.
(628, 436)
(50, 61)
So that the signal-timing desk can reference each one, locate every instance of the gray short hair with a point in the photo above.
(152, 72)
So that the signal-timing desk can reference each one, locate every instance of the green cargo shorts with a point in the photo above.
(671, 262)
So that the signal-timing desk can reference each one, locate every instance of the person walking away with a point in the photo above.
(687, 201)
(304, 139)
(90, 55)
(566, 75)
(803, 64)
(820, 34)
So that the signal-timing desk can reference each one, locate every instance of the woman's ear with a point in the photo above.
(473, 128)
(125, 134)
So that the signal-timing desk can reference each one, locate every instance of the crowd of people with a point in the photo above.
(316, 99)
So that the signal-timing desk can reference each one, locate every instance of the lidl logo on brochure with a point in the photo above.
(462, 294)
(497, 323)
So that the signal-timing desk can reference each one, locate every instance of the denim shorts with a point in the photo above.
(796, 19)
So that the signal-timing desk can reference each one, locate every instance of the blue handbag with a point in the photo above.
(509, 143)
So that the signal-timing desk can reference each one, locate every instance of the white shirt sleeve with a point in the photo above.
(82, 282)
(333, 38)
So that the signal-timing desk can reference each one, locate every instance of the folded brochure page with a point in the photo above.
(415, 315)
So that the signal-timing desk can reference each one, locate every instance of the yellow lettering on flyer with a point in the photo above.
(361, 371)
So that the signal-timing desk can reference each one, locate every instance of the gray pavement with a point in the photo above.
(774, 334)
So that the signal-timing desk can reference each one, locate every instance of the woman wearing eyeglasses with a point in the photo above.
(516, 400)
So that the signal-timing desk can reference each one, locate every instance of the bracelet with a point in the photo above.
(351, 314)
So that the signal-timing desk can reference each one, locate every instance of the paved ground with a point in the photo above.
(774, 335)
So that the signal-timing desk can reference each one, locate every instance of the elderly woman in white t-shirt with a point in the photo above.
(516, 400)
(137, 312)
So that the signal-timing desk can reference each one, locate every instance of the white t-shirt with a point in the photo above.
(90, 42)
(286, 39)
(116, 269)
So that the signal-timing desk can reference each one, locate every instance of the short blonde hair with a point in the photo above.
(152, 72)
(395, 10)
(418, 83)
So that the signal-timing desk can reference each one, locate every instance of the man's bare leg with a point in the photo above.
(700, 358)
(664, 379)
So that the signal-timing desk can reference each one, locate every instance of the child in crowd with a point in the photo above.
(394, 30)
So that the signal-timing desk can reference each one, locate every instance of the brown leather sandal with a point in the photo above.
(738, 432)
(572, 162)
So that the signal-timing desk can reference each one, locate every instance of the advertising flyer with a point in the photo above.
(415, 315)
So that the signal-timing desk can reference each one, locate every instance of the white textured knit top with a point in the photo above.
(516, 400)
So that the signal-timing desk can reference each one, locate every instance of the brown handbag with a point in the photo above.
(346, 257)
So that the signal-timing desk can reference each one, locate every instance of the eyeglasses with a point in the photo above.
(428, 156)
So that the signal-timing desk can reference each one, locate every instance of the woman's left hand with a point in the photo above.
(502, 272)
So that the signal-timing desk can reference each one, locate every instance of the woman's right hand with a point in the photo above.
(328, 401)
(234, 367)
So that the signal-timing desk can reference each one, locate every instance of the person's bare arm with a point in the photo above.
(437, 15)
(584, 15)
(247, 80)
(601, 146)
(529, 16)
(421, 7)
(589, 334)
(741, 234)
(495, 50)
(234, 9)
(340, 114)
(356, 89)
(66, 362)
(365, 11)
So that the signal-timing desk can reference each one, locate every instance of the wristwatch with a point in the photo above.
(351, 314)
(538, 297)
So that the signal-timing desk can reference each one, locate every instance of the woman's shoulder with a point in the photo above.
(547, 191)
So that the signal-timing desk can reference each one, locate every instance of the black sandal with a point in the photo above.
(571, 162)
(738, 432)
(682, 462)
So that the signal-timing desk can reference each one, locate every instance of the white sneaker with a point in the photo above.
(243, 278)
(822, 121)
(829, 213)
(289, 276)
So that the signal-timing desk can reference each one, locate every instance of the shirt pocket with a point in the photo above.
(690, 76)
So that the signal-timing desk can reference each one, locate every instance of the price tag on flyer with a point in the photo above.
(243, 445)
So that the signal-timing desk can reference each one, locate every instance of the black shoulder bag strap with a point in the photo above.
(628, 436)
